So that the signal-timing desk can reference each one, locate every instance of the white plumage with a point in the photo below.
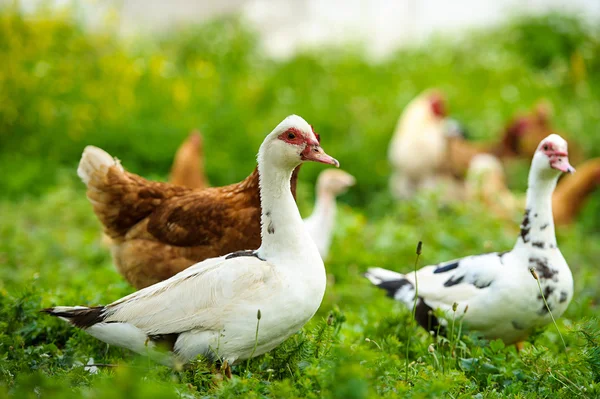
(95, 158)
(212, 307)
(321, 222)
(418, 147)
(503, 298)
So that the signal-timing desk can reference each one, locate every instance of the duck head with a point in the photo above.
(293, 142)
(552, 157)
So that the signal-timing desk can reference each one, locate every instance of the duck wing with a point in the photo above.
(458, 280)
(198, 298)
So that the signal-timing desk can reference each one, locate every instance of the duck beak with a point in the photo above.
(562, 163)
(314, 152)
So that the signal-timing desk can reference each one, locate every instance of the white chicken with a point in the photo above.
(419, 145)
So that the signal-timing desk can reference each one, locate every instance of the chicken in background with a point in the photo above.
(519, 139)
(188, 165)
(526, 128)
(486, 183)
(159, 229)
(524, 132)
(418, 147)
(430, 150)
(461, 153)
(320, 224)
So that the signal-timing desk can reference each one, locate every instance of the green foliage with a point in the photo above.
(553, 38)
(62, 88)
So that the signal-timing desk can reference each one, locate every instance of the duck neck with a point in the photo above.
(537, 228)
(325, 209)
(281, 223)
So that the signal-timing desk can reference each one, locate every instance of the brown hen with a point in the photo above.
(159, 229)
(529, 129)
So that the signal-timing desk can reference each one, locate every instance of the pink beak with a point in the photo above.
(314, 152)
(561, 163)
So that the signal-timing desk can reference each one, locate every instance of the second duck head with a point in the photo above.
(551, 158)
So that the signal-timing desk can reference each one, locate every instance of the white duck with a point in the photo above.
(213, 307)
(320, 223)
(503, 298)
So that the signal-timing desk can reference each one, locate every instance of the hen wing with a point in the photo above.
(122, 199)
(205, 217)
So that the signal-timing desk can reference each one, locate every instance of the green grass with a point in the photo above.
(62, 88)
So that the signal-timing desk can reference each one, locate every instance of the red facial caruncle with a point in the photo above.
(312, 150)
(559, 159)
(293, 136)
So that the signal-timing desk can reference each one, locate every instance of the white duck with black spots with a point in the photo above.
(503, 298)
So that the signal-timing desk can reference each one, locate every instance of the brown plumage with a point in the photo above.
(188, 165)
(159, 229)
(573, 190)
(524, 133)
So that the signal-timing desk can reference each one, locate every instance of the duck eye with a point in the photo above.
(545, 147)
(291, 136)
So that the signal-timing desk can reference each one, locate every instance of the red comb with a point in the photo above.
(519, 127)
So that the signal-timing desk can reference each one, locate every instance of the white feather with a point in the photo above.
(377, 275)
(416, 151)
(94, 159)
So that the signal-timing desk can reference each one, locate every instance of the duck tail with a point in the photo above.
(395, 284)
(79, 316)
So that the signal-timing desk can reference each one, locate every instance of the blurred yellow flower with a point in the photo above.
(181, 93)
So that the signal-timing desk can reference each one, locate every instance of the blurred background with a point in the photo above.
(288, 26)
(135, 77)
